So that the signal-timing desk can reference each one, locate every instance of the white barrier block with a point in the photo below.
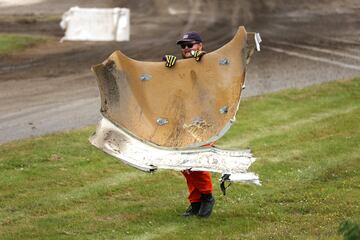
(96, 24)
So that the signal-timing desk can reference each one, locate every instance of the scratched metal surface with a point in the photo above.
(149, 158)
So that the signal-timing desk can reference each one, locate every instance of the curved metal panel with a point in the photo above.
(121, 145)
(176, 107)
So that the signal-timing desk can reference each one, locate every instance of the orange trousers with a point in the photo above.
(198, 182)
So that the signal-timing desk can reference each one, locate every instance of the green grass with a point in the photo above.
(307, 144)
(10, 43)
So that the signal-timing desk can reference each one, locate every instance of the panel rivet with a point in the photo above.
(224, 61)
(145, 77)
(162, 121)
(224, 109)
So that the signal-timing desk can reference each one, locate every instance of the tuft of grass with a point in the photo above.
(350, 230)
(307, 144)
(10, 43)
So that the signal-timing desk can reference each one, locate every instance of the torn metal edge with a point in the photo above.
(138, 154)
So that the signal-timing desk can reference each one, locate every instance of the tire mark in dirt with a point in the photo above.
(316, 49)
(313, 58)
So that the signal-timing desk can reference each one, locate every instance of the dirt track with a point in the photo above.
(50, 88)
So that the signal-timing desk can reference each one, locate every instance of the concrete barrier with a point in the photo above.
(96, 24)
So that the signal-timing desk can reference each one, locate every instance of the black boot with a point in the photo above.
(207, 204)
(192, 210)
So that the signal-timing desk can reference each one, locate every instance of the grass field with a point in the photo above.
(10, 43)
(307, 144)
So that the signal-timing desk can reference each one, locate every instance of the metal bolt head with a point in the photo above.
(224, 110)
(145, 77)
(224, 61)
(162, 121)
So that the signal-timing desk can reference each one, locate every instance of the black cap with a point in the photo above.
(190, 37)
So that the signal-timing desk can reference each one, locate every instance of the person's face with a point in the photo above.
(186, 48)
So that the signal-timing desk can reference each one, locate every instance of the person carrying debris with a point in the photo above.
(198, 182)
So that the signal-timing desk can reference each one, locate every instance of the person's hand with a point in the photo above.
(170, 60)
(198, 54)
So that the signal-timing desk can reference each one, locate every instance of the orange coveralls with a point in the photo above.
(198, 182)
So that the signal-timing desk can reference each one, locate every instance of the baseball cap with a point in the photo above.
(190, 37)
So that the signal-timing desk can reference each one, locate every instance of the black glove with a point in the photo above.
(198, 54)
(170, 60)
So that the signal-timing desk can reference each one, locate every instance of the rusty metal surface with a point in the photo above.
(181, 107)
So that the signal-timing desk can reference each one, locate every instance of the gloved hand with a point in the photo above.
(170, 60)
(198, 54)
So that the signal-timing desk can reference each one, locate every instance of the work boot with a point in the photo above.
(207, 204)
(192, 210)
